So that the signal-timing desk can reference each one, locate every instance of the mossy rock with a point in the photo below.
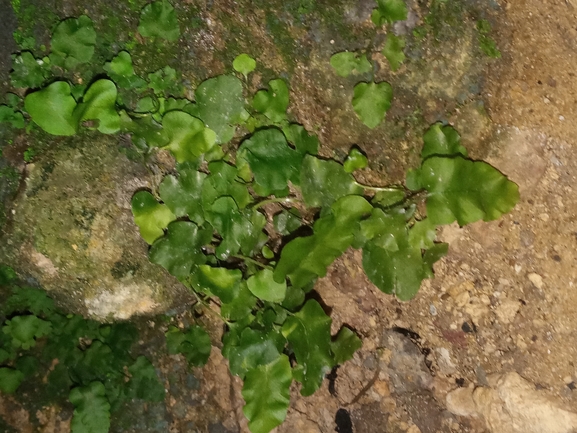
(72, 233)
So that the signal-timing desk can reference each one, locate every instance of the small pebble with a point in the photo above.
(536, 279)
(432, 310)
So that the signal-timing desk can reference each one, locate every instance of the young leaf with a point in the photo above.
(27, 71)
(181, 248)
(371, 101)
(10, 380)
(150, 216)
(220, 105)
(91, 409)
(24, 330)
(164, 81)
(393, 50)
(29, 299)
(187, 136)
(309, 335)
(194, 344)
(144, 383)
(389, 11)
(266, 392)
(14, 118)
(356, 160)
(263, 286)
(345, 63)
(244, 64)
(271, 160)
(73, 42)
(121, 71)
(183, 194)
(273, 103)
(158, 19)
(442, 141)
(221, 282)
(325, 181)
(464, 190)
(52, 109)
(345, 345)
(99, 103)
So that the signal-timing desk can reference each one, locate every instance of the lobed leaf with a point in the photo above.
(150, 216)
(121, 71)
(24, 330)
(266, 391)
(356, 160)
(263, 286)
(182, 195)
(345, 345)
(244, 64)
(99, 103)
(221, 282)
(144, 383)
(371, 101)
(52, 109)
(10, 380)
(465, 191)
(91, 409)
(187, 137)
(303, 142)
(309, 335)
(346, 63)
(9, 115)
(29, 72)
(158, 19)
(254, 348)
(442, 141)
(194, 344)
(393, 50)
(73, 42)
(389, 11)
(181, 248)
(273, 103)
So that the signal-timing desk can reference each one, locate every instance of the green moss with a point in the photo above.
(486, 43)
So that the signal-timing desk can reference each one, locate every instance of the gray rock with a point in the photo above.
(73, 233)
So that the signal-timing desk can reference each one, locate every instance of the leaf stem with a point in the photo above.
(251, 260)
(274, 200)
(381, 188)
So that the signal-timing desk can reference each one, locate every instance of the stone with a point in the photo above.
(507, 310)
(536, 280)
(511, 404)
(72, 233)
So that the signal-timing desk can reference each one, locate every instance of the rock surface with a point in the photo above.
(512, 405)
(72, 233)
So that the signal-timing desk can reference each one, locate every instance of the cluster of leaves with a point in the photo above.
(253, 230)
(372, 100)
(88, 362)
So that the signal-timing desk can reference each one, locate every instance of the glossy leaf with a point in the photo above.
(73, 42)
(422, 235)
(345, 345)
(187, 137)
(244, 64)
(52, 109)
(464, 190)
(221, 282)
(181, 248)
(432, 255)
(194, 344)
(24, 330)
(393, 50)
(263, 286)
(158, 19)
(271, 160)
(325, 181)
(303, 142)
(99, 104)
(305, 258)
(144, 383)
(220, 104)
(346, 63)
(150, 216)
(222, 182)
(287, 221)
(356, 160)
(91, 409)
(388, 198)
(273, 103)
(254, 348)
(10, 380)
(397, 272)
(371, 101)
(389, 11)
(266, 392)
(183, 194)
(240, 306)
(442, 141)
(309, 335)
